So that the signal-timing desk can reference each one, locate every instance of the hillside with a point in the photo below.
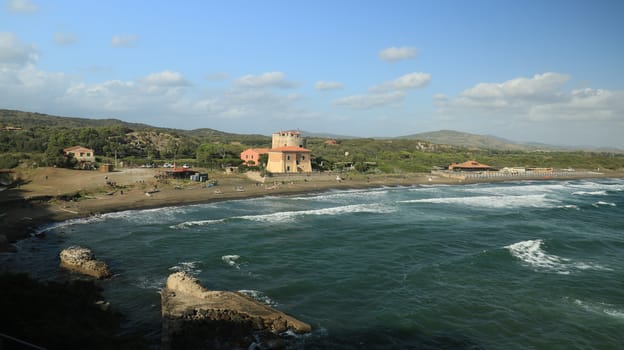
(463, 139)
(30, 120)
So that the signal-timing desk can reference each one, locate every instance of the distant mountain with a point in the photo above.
(326, 135)
(464, 139)
(30, 120)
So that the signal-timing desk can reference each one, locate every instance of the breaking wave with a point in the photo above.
(231, 260)
(531, 253)
(344, 195)
(191, 267)
(600, 308)
(590, 193)
(289, 216)
(68, 223)
(259, 296)
(188, 224)
(532, 201)
(602, 203)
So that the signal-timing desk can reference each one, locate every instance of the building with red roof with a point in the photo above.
(289, 159)
(471, 165)
(251, 156)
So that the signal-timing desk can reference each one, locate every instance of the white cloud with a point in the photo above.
(540, 86)
(371, 100)
(541, 98)
(21, 6)
(327, 85)
(268, 79)
(165, 78)
(64, 39)
(405, 82)
(14, 53)
(385, 94)
(393, 54)
(125, 41)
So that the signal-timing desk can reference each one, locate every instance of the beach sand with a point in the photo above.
(49, 194)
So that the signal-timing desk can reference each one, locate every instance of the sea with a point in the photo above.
(514, 265)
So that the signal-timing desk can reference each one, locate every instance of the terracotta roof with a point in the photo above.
(470, 164)
(289, 149)
(75, 148)
(259, 150)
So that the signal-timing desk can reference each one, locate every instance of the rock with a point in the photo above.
(194, 317)
(83, 260)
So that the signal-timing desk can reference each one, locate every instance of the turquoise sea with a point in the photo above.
(519, 265)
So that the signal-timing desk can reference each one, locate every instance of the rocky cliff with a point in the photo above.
(82, 260)
(194, 317)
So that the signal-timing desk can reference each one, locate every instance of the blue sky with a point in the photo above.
(541, 71)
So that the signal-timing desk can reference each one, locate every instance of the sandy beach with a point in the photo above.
(51, 194)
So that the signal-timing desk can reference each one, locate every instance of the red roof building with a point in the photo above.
(289, 159)
(81, 154)
(471, 165)
(251, 156)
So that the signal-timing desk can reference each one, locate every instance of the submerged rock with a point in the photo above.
(83, 260)
(194, 317)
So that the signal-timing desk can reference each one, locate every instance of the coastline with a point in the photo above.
(35, 206)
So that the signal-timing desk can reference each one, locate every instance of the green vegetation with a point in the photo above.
(39, 140)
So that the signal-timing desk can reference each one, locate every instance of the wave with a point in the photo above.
(67, 223)
(590, 193)
(289, 216)
(532, 254)
(569, 206)
(259, 296)
(517, 188)
(191, 267)
(602, 203)
(232, 260)
(533, 201)
(188, 224)
(145, 282)
(597, 186)
(601, 308)
(344, 195)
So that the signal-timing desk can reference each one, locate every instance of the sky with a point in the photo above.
(544, 71)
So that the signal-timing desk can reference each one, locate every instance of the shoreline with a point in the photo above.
(24, 214)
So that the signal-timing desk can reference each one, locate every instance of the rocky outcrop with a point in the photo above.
(83, 260)
(194, 317)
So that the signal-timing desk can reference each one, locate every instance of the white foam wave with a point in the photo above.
(590, 193)
(289, 216)
(601, 308)
(532, 254)
(596, 186)
(519, 189)
(259, 296)
(163, 214)
(569, 206)
(187, 224)
(342, 195)
(68, 223)
(602, 203)
(534, 201)
(231, 260)
(191, 267)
